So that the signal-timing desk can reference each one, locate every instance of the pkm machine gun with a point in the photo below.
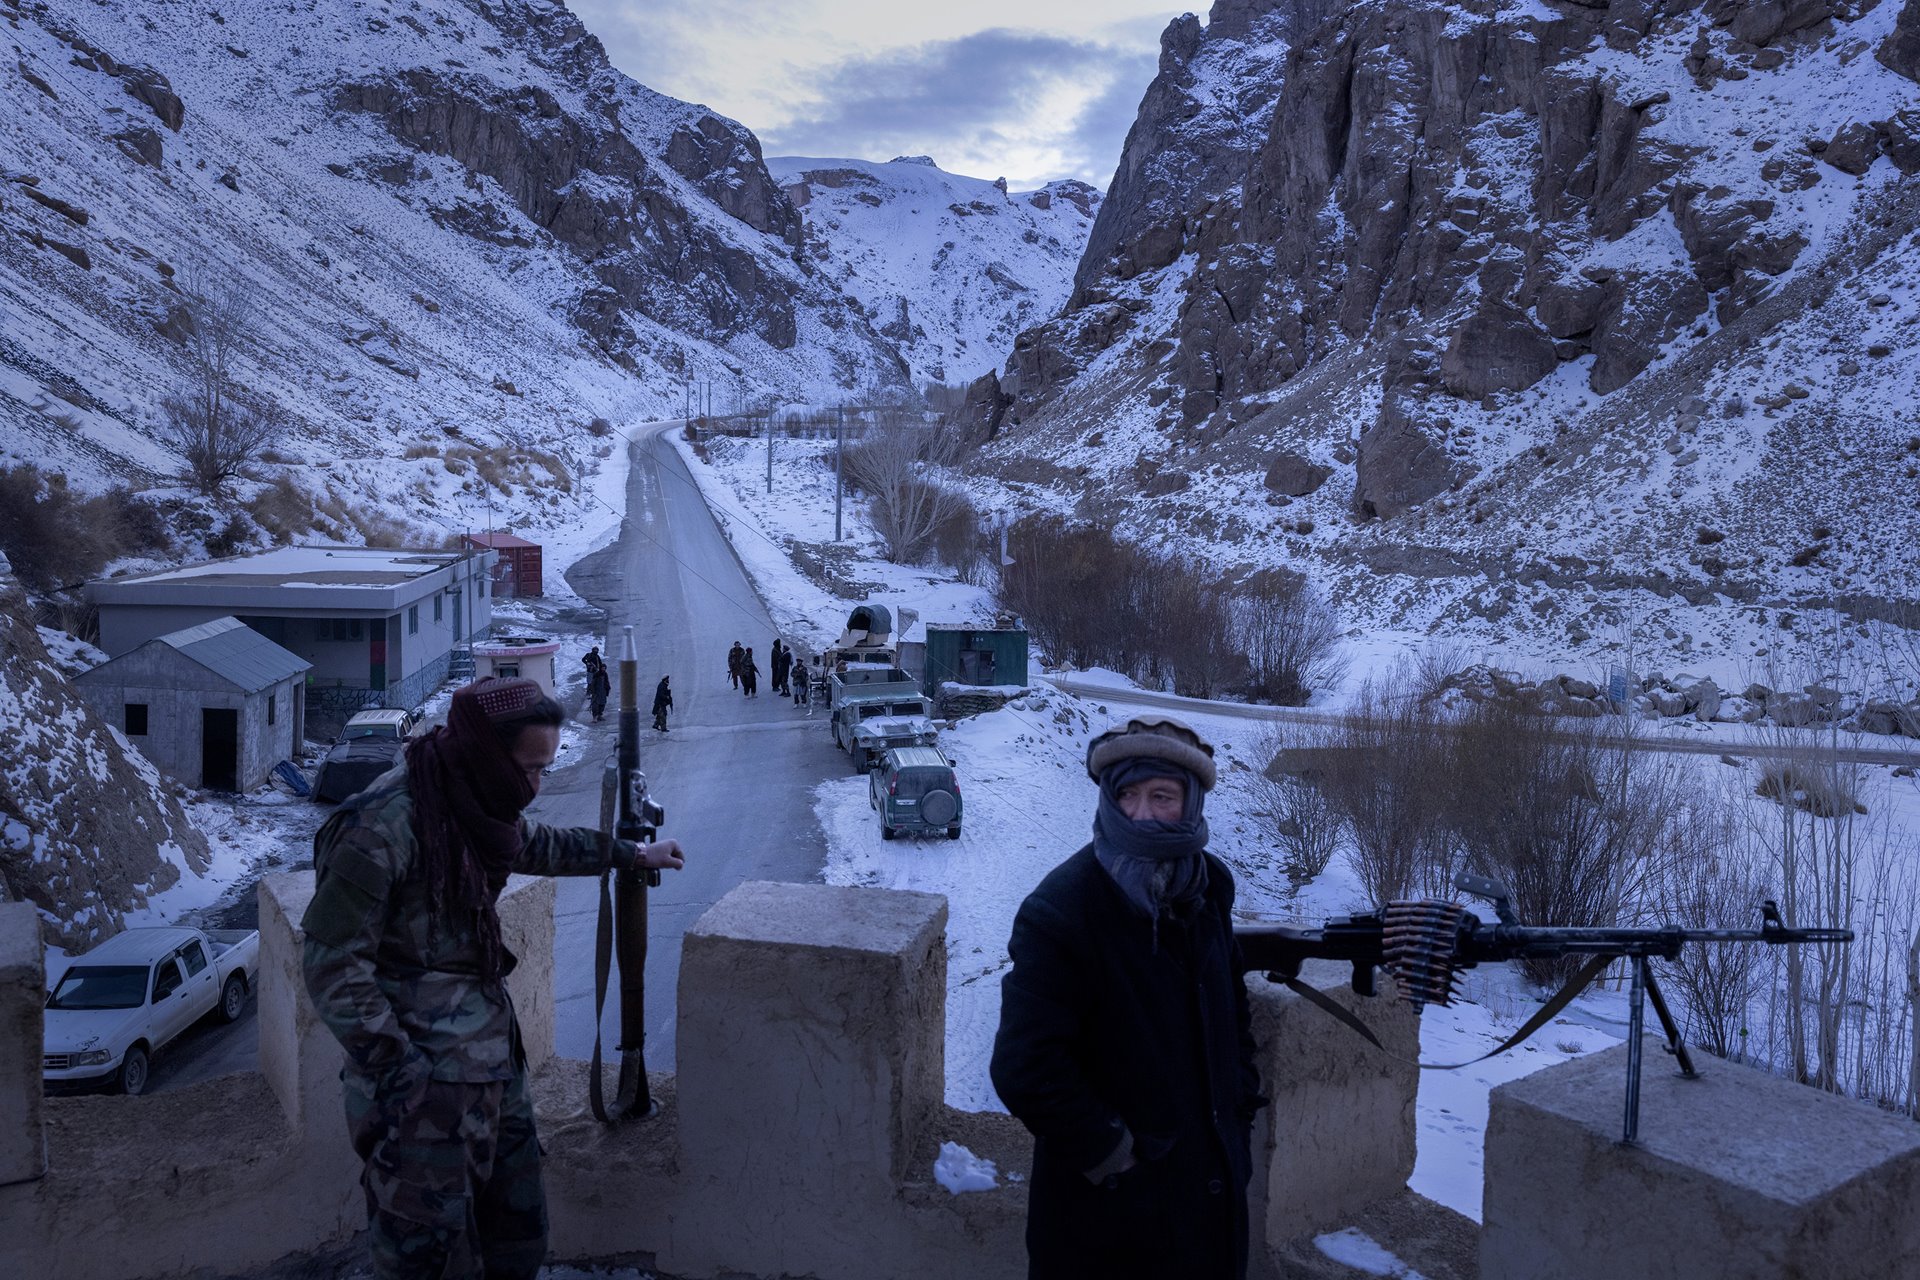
(1425, 945)
(628, 813)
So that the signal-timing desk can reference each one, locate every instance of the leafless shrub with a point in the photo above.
(1290, 637)
(56, 537)
(961, 542)
(282, 509)
(1715, 886)
(216, 424)
(897, 465)
(1573, 817)
(1304, 821)
(1816, 860)
(1385, 772)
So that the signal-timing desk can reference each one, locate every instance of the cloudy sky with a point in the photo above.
(1028, 90)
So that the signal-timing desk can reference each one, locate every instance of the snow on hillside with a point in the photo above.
(949, 268)
(459, 231)
(1746, 507)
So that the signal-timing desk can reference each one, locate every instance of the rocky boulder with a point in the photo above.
(88, 830)
(1497, 348)
(1295, 475)
(1900, 51)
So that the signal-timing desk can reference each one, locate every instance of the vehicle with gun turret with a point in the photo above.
(874, 707)
(866, 638)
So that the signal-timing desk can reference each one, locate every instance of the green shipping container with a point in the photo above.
(966, 655)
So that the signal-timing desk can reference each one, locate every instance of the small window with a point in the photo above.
(195, 956)
(413, 619)
(508, 669)
(438, 601)
(166, 979)
(353, 629)
(136, 719)
(271, 699)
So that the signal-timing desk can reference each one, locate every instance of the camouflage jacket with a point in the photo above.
(398, 989)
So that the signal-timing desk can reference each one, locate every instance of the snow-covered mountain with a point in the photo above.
(455, 222)
(948, 268)
(1512, 318)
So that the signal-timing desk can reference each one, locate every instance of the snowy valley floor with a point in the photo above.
(1028, 806)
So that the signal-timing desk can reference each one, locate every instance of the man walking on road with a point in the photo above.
(1125, 1042)
(405, 963)
(780, 661)
(749, 674)
(599, 684)
(662, 703)
(733, 664)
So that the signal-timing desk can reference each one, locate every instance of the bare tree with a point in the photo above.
(214, 423)
(1302, 817)
(897, 464)
(1290, 637)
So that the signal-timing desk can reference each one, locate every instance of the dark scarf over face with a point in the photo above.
(467, 797)
(1158, 865)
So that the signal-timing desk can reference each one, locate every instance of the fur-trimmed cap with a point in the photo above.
(1159, 737)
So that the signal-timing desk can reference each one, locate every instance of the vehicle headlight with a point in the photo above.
(95, 1058)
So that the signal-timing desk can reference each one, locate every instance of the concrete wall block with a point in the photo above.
(811, 1070)
(526, 924)
(1339, 1132)
(1737, 1173)
(298, 1055)
(23, 994)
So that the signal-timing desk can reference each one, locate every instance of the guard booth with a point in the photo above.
(974, 660)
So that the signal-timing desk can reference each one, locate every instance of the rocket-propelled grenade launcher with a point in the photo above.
(1425, 945)
(628, 813)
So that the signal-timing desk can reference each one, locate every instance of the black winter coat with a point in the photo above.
(1099, 1029)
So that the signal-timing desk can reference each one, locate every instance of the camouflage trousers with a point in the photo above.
(452, 1179)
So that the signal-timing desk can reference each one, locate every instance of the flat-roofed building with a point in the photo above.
(378, 626)
(214, 706)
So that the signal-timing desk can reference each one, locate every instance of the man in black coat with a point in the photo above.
(1125, 1042)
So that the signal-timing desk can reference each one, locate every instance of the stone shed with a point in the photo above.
(215, 705)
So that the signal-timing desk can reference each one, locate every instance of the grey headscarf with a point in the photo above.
(1158, 865)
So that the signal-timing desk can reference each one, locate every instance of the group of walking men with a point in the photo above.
(789, 672)
(600, 684)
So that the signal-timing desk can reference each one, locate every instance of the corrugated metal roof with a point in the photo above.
(228, 647)
(498, 541)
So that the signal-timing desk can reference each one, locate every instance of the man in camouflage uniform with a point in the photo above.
(405, 964)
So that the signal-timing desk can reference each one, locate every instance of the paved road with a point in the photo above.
(1732, 743)
(734, 774)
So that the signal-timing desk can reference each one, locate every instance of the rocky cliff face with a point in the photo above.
(87, 831)
(451, 216)
(1497, 292)
(1478, 193)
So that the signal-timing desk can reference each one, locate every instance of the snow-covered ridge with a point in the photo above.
(451, 217)
(948, 268)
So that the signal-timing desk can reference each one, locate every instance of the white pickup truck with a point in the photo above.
(117, 1005)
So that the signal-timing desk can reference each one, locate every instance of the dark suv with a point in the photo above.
(914, 790)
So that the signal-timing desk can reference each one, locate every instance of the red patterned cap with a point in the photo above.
(502, 698)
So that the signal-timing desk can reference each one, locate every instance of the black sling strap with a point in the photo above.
(1546, 1013)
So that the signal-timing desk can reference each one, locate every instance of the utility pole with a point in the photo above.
(839, 451)
(769, 451)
